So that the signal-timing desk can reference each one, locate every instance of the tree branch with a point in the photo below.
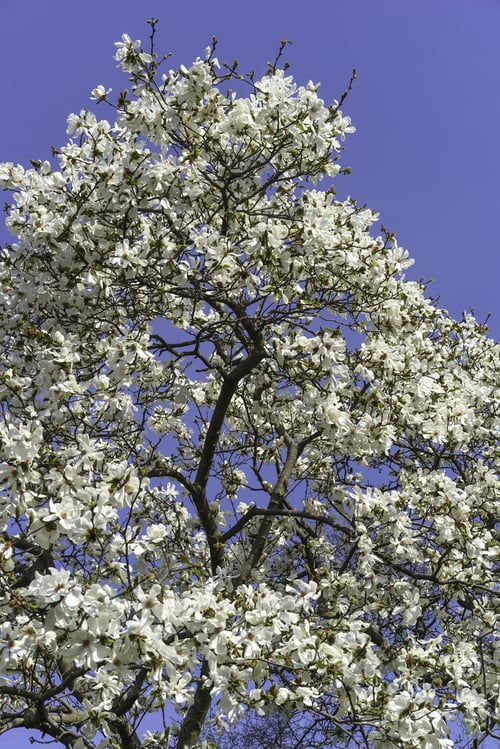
(125, 701)
(280, 512)
(228, 389)
(276, 500)
(196, 714)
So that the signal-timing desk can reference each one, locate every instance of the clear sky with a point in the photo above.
(426, 105)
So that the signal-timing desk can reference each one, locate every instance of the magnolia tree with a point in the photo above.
(245, 464)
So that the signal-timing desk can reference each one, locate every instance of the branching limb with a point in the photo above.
(280, 512)
(227, 391)
(196, 714)
(276, 500)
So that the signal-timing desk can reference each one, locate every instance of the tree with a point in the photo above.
(245, 462)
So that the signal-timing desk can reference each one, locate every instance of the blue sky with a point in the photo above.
(426, 105)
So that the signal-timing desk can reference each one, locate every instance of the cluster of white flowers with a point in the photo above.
(242, 457)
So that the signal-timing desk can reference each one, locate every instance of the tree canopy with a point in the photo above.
(246, 464)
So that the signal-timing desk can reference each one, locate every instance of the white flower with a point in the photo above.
(100, 92)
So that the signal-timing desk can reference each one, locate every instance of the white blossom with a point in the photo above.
(243, 458)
